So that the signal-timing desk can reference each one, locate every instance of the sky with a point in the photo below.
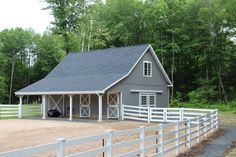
(25, 14)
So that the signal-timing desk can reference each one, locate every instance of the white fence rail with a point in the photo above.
(186, 128)
(153, 114)
(12, 111)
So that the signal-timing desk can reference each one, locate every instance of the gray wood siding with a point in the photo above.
(136, 80)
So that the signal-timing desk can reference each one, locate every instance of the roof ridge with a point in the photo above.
(107, 49)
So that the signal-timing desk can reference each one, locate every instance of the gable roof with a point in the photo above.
(90, 72)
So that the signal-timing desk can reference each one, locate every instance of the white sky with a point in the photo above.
(25, 14)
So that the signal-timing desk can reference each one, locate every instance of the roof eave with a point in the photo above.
(60, 92)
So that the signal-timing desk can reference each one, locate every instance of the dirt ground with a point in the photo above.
(16, 134)
(24, 133)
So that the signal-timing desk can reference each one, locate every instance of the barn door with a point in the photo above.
(85, 105)
(113, 100)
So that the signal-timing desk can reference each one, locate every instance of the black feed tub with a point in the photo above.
(53, 113)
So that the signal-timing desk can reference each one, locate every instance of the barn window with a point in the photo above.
(147, 69)
(147, 100)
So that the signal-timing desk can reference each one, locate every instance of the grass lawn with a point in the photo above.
(227, 118)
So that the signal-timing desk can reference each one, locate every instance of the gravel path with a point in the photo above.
(221, 144)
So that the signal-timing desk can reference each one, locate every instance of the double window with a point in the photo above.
(147, 69)
(147, 99)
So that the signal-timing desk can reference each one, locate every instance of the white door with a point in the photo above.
(113, 101)
(85, 105)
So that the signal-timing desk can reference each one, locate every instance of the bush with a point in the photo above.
(203, 94)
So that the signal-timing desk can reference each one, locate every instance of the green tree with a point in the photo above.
(49, 52)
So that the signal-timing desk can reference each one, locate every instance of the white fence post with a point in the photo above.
(189, 132)
(212, 120)
(205, 125)
(122, 111)
(177, 138)
(61, 147)
(20, 107)
(142, 144)
(216, 118)
(149, 113)
(165, 115)
(182, 114)
(161, 139)
(109, 143)
(198, 129)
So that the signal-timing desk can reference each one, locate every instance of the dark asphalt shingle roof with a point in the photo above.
(89, 71)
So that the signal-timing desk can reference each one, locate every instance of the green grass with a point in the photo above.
(230, 107)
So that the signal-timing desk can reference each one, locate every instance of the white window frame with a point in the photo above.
(148, 62)
(82, 96)
(147, 99)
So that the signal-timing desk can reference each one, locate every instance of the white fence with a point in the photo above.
(187, 127)
(12, 111)
(153, 114)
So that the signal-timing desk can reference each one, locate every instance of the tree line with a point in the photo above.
(194, 39)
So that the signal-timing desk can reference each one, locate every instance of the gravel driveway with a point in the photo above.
(221, 144)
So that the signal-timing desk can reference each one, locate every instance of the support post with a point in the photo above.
(148, 114)
(71, 107)
(109, 143)
(161, 140)
(100, 107)
(182, 114)
(141, 136)
(205, 125)
(122, 111)
(61, 147)
(177, 138)
(20, 107)
(165, 115)
(189, 133)
(212, 121)
(44, 106)
(198, 129)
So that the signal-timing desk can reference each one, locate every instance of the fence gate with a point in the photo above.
(113, 105)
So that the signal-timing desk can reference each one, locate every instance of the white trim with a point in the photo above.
(161, 67)
(128, 72)
(148, 62)
(146, 91)
(59, 92)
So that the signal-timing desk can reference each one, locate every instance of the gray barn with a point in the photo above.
(97, 83)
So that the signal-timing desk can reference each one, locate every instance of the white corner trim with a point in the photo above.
(146, 91)
(59, 93)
